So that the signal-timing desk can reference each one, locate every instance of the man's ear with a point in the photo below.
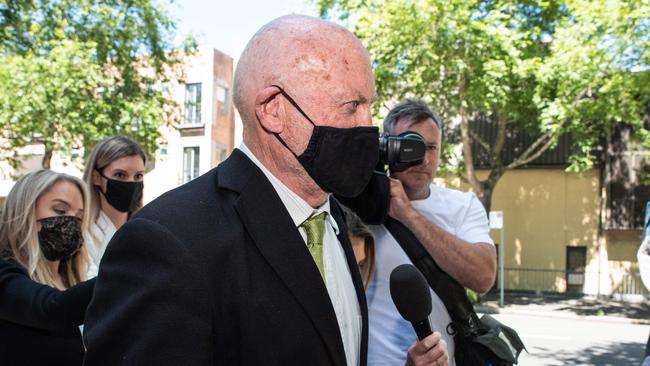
(269, 109)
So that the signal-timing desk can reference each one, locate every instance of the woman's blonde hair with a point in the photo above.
(105, 152)
(19, 229)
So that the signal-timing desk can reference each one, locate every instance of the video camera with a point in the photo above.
(399, 152)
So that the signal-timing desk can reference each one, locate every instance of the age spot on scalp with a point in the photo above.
(346, 63)
(309, 63)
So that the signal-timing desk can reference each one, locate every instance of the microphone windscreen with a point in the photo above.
(410, 292)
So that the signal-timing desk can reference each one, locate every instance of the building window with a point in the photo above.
(162, 149)
(193, 104)
(221, 152)
(222, 97)
(190, 163)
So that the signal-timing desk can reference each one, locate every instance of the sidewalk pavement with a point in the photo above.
(600, 309)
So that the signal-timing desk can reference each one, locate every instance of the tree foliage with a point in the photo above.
(543, 67)
(75, 71)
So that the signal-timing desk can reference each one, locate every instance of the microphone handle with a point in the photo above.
(422, 328)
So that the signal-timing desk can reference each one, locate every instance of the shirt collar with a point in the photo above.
(299, 210)
(104, 222)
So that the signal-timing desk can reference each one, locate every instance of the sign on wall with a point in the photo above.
(496, 219)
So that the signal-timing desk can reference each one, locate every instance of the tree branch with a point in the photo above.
(467, 152)
(499, 143)
(480, 141)
(528, 155)
(547, 138)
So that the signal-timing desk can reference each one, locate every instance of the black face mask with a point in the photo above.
(373, 203)
(124, 196)
(339, 160)
(60, 237)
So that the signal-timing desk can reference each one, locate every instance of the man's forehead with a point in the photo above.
(339, 83)
(408, 121)
(337, 65)
(418, 125)
(310, 62)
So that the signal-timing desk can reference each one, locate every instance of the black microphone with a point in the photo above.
(411, 296)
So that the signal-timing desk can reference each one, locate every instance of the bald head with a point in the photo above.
(294, 51)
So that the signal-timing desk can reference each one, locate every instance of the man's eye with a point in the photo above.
(353, 105)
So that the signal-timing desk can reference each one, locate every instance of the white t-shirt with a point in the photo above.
(103, 230)
(460, 214)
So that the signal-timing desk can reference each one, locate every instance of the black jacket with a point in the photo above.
(216, 273)
(38, 323)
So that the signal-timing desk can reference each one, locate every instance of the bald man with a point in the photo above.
(250, 263)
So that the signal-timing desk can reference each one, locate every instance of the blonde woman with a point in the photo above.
(43, 264)
(114, 174)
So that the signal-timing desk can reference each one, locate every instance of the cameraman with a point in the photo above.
(452, 226)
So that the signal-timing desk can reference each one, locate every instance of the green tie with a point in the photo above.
(315, 228)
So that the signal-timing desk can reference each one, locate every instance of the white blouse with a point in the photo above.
(103, 230)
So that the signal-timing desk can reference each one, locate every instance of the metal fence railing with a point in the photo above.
(562, 281)
(630, 283)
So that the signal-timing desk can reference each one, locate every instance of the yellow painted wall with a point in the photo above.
(546, 210)
(622, 247)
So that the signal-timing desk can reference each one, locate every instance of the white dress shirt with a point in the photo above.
(338, 278)
(102, 230)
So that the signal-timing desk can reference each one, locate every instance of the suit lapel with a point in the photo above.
(344, 239)
(274, 233)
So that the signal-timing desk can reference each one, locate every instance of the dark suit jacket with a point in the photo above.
(38, 323)
(216, 273)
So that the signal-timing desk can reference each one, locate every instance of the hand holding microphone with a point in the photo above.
(410, 293)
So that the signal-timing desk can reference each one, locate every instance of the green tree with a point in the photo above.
(75, 71)
(541, 67)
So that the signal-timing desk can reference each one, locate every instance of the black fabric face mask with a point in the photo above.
(339, 160)
(373, 203)
(124, 196)
(60, 237)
